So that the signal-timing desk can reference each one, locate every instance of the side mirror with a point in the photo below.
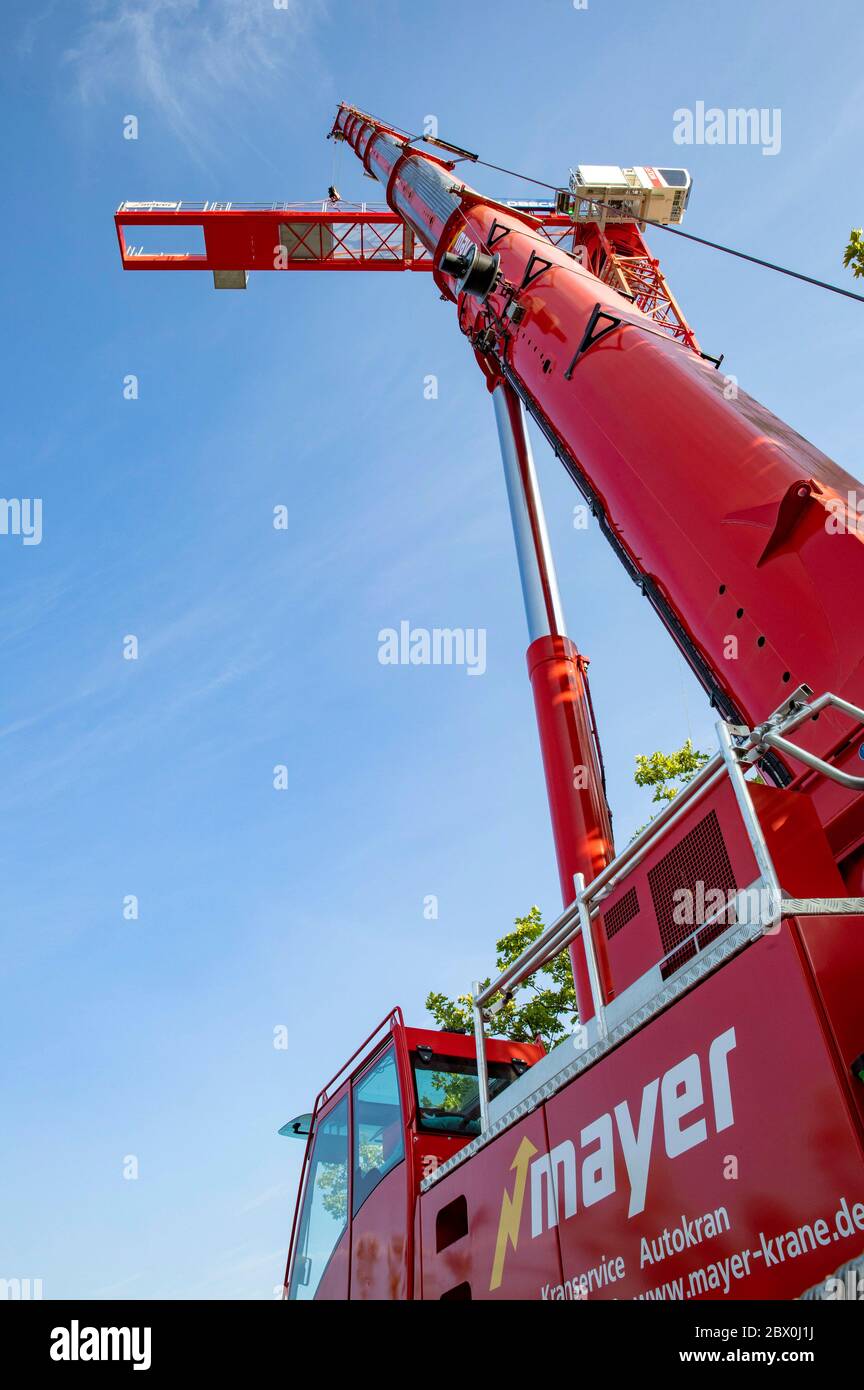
(298, 1128)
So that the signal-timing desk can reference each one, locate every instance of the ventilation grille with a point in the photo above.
(699, 858)
(621, 913)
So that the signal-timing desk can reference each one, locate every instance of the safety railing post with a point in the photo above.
(752, 825)
(482, 1069)
(590, 954)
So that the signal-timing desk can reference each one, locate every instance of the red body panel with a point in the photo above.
(716, 1152)
(335, 1282)
(379, 1241)
(749, 1155)
(470, 1260)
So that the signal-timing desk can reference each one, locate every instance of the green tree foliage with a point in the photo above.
(854, 254)
(544, 1008)
(450, 1091)
(667, 773)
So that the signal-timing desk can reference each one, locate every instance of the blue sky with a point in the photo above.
(304, 907)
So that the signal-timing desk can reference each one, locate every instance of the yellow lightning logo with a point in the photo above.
(511, 1211)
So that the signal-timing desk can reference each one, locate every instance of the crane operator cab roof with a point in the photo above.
(438, 1079)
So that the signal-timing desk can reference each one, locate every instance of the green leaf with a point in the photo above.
(854, 254)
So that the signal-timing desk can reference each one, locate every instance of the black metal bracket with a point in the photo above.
(497, 233)
(590, 336)
(716, 360)
(534, 269)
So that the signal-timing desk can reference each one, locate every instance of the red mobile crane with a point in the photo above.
(702, 1135)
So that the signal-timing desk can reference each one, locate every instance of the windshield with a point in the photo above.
(675, 178)
(447, 1092)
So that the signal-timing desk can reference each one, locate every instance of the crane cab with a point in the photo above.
(627, 195)
(402, 1105)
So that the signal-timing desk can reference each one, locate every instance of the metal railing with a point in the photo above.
(768, 735)
(738, 746)
(317, 206)
(197, 205)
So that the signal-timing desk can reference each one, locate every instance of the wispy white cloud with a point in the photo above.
(185, 55)
(93, 721)
(28, 37)
(111, 1290)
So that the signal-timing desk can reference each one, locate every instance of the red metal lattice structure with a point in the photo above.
(273, 236)
(620, 258)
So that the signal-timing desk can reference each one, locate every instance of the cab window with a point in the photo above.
(325, 1204)
(448, 1096)
(379, 1142)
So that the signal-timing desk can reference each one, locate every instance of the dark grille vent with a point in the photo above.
(621, 913)
(451, 1223)
(699, 857)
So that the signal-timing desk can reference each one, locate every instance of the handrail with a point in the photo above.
(792, 750)
(214, 205)
(704, 780)
(482, 1068)
(768, 735)
(548, 942)
(548, 937)
(587, 931)
(735, 745)
(338, 207)
(323, 1095)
